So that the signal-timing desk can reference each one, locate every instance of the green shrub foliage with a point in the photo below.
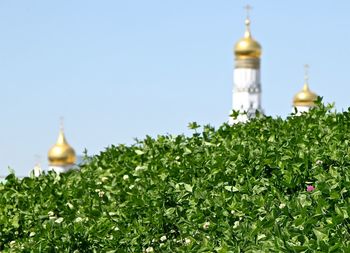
(240, 188)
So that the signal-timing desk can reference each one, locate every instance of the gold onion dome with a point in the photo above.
(61, 153)
(247, 47)
(305, 97)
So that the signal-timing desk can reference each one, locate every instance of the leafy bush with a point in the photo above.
(270, 185)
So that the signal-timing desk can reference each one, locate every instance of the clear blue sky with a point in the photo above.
(116, 70)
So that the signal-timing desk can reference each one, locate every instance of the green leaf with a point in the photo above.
(188, 187)
(231, 188)
(139, 152)
(193, 125)
(321, 236)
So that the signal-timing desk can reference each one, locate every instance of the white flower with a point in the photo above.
(282, 205)
(126, 177)
(163, 238)
(131, 186)
(139, 168)
(232, 211)
(319, 162)
(149, 249)
(104, 179)
(187, 241)
(70, 205)
(78, 219)
(59, 220)
(236, 224)
(31, 234)
(50, 213)
(101, 194)
(206, 225)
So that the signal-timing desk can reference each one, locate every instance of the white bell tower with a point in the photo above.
(246, 76)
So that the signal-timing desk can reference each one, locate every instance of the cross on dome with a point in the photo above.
(247, 21)
(61, 123)
(306, 73)
(248, 8)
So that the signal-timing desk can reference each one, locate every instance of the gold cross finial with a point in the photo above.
(61, 123)
(306, 73)
(247, 22)
(248, 8)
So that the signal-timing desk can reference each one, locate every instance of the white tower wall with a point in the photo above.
(246, 95)
(61, 169)
(246, 77)
(247, 90)
(302, 109)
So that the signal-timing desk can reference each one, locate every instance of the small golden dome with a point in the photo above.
(305, 97)
(61, 153)
(247, 47)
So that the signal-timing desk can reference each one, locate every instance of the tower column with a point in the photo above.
(246, 77)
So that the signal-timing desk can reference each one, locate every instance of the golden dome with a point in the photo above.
(61, 153)
(305, 97)
(247, 47)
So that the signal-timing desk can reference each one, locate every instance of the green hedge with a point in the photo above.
(240, 188)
